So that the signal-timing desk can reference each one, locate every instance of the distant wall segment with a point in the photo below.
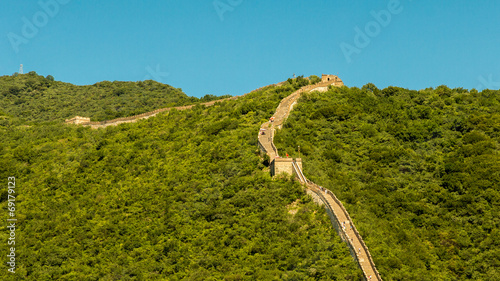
(85, 121)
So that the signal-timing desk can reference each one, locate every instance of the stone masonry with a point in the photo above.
(339, 216)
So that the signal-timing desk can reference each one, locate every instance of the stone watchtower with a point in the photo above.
(284, 165)
(332, 79)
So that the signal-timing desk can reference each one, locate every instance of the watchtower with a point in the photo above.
(284, 165)
(333, 80)
(328, 77)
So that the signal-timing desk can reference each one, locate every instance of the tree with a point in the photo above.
(301, 81)
(314, 79)
(50, 77)
(371, 87)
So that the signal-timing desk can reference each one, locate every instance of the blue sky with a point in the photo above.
(234, 46)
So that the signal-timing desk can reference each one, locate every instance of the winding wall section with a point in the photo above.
(338, 214)
(102, 124)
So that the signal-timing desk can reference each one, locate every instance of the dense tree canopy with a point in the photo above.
(35, 98)
(187, 196)
(417, 170)
(182, 196)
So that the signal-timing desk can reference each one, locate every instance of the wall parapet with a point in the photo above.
(290, 166)
(77, 120)
(85, 121)
(355, 230)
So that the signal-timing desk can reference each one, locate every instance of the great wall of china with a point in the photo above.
(339, 216)
(85, 121)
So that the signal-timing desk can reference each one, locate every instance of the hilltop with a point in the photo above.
(187, 196)
(32, 97)
(184, 195)
(417, 170)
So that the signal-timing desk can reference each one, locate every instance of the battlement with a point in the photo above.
(102, 124)
(333, 79)
(290, 166)
(284, 165)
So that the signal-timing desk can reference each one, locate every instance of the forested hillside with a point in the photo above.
(418, 171)
(186, 196)
(182, 196)
(36, 98)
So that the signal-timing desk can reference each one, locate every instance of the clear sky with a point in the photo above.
(234, 46)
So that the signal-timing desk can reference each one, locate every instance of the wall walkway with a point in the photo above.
(339, 216)
(146, 115)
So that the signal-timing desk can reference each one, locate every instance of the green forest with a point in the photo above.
(33, 97)
(418, 171)
(182, 196)
(186, 195)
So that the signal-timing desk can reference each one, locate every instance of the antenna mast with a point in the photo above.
(21, 69)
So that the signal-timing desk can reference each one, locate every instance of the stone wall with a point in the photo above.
(330, 78)
(323, 193)
(282, 112)
(339, 216)
(85, 121)
(321, 89)
(316, 198)
(77, 120)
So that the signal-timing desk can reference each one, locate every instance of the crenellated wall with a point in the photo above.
(85, 121)
(342, 222)
(266, 144)
(339, 216)
(331, 78)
